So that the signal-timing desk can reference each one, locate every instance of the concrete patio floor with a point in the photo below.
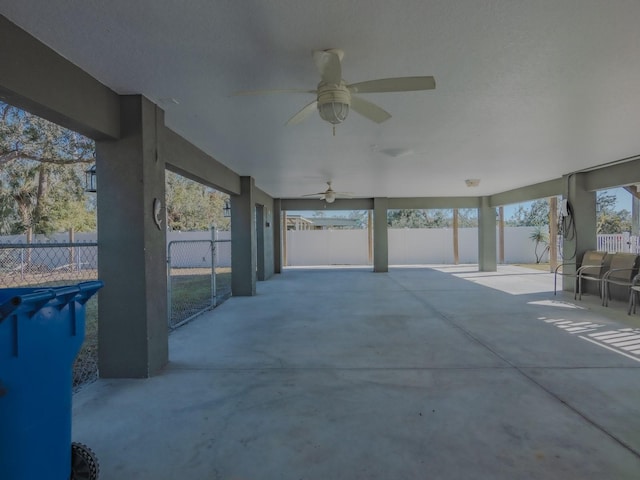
(419, 373)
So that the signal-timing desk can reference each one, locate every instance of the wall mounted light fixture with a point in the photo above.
(90, 179)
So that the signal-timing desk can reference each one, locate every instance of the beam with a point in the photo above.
(262, 198)
(612, 176)
(184, 158)
(317, 204)
(432, 202)
(35, 78)
(550, 188)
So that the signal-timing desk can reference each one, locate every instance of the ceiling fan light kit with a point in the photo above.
(329, 195)
(335, 98)
(333, 103)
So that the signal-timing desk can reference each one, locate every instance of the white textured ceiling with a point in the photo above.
(526, 90)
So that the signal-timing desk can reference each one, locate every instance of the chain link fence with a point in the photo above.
(51, 265)
(197, 280)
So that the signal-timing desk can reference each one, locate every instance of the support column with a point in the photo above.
(380, 235)
(635, 209)
(284, 238)
(260, 243)
(456, 251)
(133, 333)
(553, 233)
(501, 235)
(243, 240)
(277, 236)
(579, 228)
(487, 258)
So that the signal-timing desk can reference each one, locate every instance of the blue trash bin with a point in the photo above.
(41, 331)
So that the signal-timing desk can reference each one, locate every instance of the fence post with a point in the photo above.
(627, 242)
(22, 264)
(169, 305)
(214, 245)
(72, 265)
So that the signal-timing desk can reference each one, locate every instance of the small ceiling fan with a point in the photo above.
(335, 97)
(329, 195)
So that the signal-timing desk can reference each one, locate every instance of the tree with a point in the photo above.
(608, 220)
(193, 206)
(537, 214)
(41, 175)
(539, 236)
(467, 217)
(360, 216)
(419, 218)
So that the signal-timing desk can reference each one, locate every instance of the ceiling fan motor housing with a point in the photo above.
(333, 102)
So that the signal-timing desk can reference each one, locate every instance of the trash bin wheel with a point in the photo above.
(84, 465)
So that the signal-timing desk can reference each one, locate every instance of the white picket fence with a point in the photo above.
(619, 242)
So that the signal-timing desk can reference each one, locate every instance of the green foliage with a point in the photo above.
(467, 217)
(540, 237)
(440, 218)
(41, 175)
(361, 218)
(192, 206)
(608, 220)
(536, 215)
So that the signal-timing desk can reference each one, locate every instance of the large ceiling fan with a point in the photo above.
(335, 97)
(329, 195)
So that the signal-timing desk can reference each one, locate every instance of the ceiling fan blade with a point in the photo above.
(328, 64)
(313, 194)
(304, 113)
(268, 92)
(369, 110)
(399, 84)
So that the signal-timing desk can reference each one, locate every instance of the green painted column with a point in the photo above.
(579, 228)
(133, 333)
(260, 242)
(243, 240)
(277, 235)
(380, 235)
(268, 247)
(487, 238)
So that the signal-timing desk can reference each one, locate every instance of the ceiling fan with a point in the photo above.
(335, 97)
(329, 195)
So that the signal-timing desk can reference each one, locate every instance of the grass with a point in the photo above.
(191, 294)
(191, 291)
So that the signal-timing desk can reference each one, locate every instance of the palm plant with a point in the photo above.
(540, 237)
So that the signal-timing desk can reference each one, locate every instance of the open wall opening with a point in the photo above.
(432, 236)
(322, 238)
(198, 248)
(530, 233)
(617, 220)
(48, 227)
